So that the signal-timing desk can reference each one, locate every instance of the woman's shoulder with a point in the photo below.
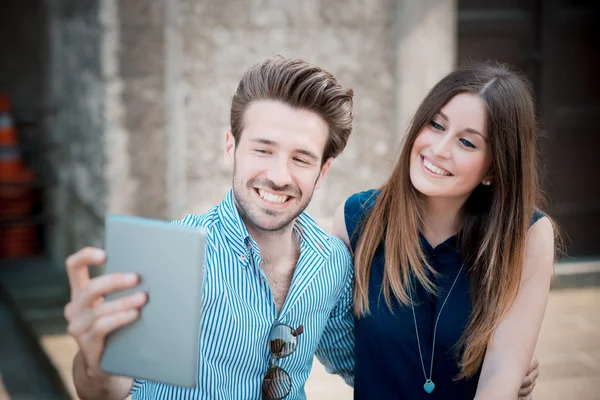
(356, 208)
(536, 215)
(360, 203)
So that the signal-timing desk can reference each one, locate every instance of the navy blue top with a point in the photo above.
(388, 365)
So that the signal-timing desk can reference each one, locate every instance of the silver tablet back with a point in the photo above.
(162, 345)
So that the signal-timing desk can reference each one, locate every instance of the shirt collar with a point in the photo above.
(232, 222)
(309, 233)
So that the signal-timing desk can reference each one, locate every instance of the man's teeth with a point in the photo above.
(272, 198)
(434, 169)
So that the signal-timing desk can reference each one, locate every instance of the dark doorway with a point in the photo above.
(556, 44)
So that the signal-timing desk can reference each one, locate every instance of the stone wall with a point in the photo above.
(142, 90)
(220, 39)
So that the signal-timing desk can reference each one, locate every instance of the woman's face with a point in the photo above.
(451, 155)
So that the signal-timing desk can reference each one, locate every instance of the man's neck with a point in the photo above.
(276, 246)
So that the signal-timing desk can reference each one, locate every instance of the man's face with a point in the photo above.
(277, 163)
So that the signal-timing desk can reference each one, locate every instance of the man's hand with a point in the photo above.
(526, 390)
(90, 319)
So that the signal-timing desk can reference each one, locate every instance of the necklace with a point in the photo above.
(429, 385)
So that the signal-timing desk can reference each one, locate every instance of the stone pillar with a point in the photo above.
(107, 85)
(426, 37)
(121, 188)
(141, 67)
(76, 93)
(175, 108)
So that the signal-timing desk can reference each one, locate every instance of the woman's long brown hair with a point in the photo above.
(495, 219)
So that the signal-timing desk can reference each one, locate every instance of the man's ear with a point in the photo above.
(229, 148)
(323, 172)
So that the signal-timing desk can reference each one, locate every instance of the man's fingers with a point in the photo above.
(527, 381)
(125, 303)
(535, 363)
(77, 266)
(531, 377)
(102, 285)
(91, 342)
(82, 319)
(525, 391)
(109, 323)
(527, 387)
(528, 395)
(534, 374)
(80, 323)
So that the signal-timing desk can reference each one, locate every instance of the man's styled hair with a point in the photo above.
(301, 85)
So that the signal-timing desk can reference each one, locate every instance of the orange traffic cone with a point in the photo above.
(18, 237)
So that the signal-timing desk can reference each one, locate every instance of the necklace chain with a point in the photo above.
(434, 328)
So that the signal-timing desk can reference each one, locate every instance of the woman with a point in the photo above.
(453, 259)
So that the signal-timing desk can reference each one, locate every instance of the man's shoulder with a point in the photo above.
(336, 245)
(207, 220)
(339, 250)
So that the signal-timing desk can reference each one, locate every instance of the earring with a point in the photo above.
(487, 183)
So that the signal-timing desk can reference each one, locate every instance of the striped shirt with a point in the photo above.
(239, 311)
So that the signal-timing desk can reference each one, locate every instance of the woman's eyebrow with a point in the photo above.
(476, 132)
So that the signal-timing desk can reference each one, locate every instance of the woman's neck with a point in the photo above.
(441, 219)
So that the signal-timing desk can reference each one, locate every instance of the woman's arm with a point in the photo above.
(339, 225)
(508, 357)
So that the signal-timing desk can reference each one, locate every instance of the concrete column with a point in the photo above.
(141, 65)
(120, 187)
(175, 127)
(426, 40)
(75, 91)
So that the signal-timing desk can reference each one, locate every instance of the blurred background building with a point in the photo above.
(121, 106)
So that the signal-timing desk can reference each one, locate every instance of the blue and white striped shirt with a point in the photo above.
(239, 311)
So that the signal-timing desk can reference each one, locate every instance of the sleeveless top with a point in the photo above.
(388, 365)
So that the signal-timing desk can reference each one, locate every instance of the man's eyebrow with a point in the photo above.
(268, 142)
(264, 141)
(308, 154)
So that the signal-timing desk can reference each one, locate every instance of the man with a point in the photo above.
(268, 263)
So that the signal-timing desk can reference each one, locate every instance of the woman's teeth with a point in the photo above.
(272, 198)
(434, 169)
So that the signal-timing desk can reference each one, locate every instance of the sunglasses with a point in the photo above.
(283, 341)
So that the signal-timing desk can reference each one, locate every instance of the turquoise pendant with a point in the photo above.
(429, 386)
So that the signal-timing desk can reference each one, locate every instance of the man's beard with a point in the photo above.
(250, 218)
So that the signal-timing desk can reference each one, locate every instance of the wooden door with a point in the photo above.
(556, 44)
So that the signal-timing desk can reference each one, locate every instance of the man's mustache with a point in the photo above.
(267, 184)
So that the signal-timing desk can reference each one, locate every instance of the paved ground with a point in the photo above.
(25, 372)
(569, 346)
(3, 392)
(568, 349)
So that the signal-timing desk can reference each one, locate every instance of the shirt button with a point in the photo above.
(242, 257)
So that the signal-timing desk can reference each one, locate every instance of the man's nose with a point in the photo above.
(279, 173)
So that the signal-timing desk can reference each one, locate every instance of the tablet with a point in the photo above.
(162, 345)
